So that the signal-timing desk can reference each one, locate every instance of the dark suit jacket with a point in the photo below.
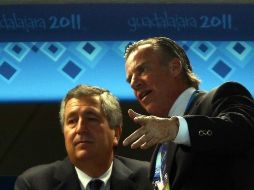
(127, 174)
(221, 156)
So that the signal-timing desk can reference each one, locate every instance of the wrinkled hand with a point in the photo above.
(153, 130)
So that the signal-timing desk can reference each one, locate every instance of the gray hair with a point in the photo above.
(169, 49)
(109, 103)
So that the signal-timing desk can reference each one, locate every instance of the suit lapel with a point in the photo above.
(171, 152)
(121, 177)
(178, 163)
(199, 106)
(196, 103)
(153, 162)
(174, 149)
(170, 158)
(66, 177)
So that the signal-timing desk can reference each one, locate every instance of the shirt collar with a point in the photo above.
(181, 102)
(85, 179)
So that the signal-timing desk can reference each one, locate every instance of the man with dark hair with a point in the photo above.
(91, 121)
(205, 140)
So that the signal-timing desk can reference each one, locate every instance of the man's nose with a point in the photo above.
(136, 82)
(81, 126)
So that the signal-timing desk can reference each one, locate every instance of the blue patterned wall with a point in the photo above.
(45, 71)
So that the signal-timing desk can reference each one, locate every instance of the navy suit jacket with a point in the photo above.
(127, 174)
(221, 156)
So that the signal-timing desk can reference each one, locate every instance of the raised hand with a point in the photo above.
(153, 130)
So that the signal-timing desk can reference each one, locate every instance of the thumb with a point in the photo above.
(137, 117)
(133, 114)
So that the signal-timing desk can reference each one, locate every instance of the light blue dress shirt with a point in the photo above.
(177, 110)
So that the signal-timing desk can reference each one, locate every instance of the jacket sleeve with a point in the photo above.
(21, 184)
(226, 122)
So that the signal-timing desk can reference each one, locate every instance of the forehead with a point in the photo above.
(140, 54)
(140, 50)
(143, 54)
(85, 101)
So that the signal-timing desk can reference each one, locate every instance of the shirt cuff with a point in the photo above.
(183, 135)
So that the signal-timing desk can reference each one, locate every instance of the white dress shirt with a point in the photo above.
(177, 110)
(84, 179)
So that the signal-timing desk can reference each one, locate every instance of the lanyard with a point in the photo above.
(191, 101)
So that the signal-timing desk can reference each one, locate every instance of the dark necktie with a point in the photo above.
(95, 184)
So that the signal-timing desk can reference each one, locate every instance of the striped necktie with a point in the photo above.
(161, 178)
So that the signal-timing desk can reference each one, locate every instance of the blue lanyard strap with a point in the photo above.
(160, 175)
(191, 101)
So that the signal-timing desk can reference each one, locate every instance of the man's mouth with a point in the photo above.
(85, 141)
(144, 94)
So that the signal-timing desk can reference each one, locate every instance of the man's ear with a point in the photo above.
(175, 67)
(118, 132)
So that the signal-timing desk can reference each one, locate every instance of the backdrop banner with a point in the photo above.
(126, 22)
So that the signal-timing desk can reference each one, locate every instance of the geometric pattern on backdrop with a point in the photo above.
(46, 70)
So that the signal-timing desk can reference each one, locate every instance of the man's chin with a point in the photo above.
(82, 155)
(152, 110)
(148, 108)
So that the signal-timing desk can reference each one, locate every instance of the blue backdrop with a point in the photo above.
(46, 70)
(47, 49)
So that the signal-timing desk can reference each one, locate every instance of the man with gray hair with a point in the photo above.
(91, 120)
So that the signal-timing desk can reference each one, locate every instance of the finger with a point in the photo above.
(138, 143)
(133, 114)
(144, 146)
(141, 120)
(134, 136)
(148, 144)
